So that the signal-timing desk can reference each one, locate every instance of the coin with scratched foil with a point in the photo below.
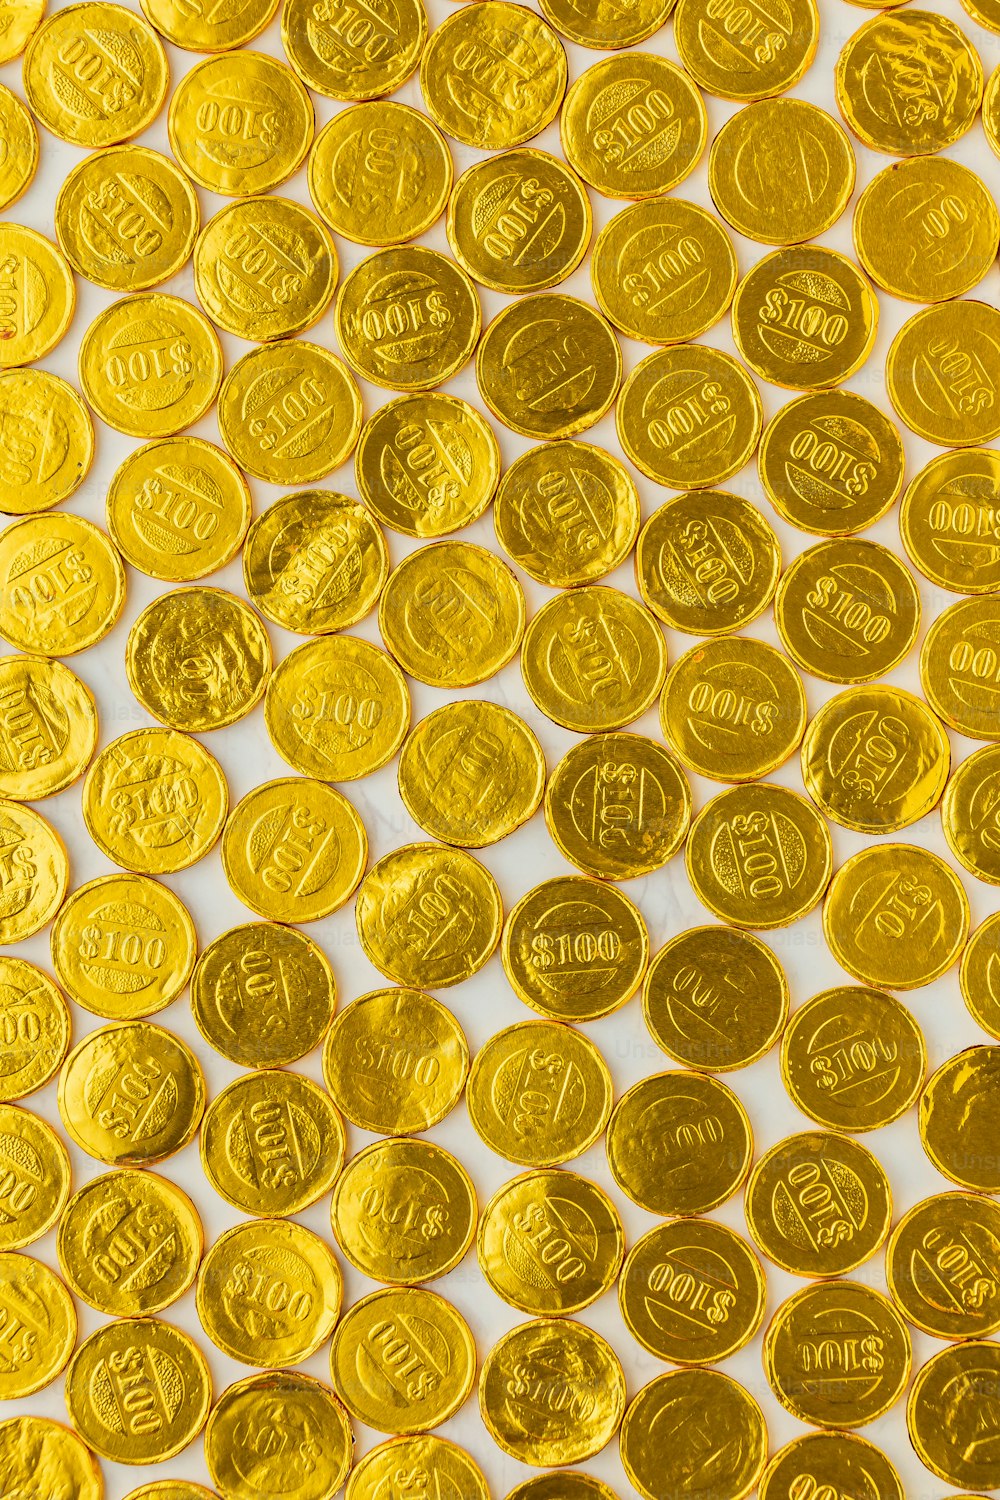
(950, 1414)
(40, 1326)
(35, 1025)
(969, 814)
(688, 1424)
(203, 28)
(926, 229)
(979, 975)
(37, 872)
(380, 173)
(243, 1459)
(839, 1461)
(958, 1114)
(36, 1177)
(940, 1265)
(62, 584)
(55, 443)
(949, 521)
(337, 57)
(960, 667)
(436, 1465)
(427, 464)
(315, 562)
(942, 373)
(48, 728)
(30, 1446)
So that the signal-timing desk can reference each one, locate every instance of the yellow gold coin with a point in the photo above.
(840, 1461)
(958, 1114)
(715, 999)
(896, 915)
(960, 667)
(677, 1420)
(520, 221)
(40, 295)
(21, 19)
(470, 773)
(170, 1489)
(942, 373)
(526, 1367)
(263, 995)
(403, 1360)
(162, 1373)
(48, 727)
(991, 112)
(435, 1465)
(548, 366)
(290, 413)
(129, 1243)
(62, 584)
(19, 160)
(244, 1460)
(567, 513)
(36, 872)
(949, 521)
(428, 915)
(733, 709)
(34, 1177)
(452, 614)
(831, 463)
(493, 75)
(349, 54)
(131, 1094)
(744, 55)
(30, 1446)
(606, 28)
(550, 1242)
(52, 451)
(909, 83)
(679, 1143)
(269, 1293)
(95, 74)
(123, 946)
(633, 126)
(948, 1414)
(562, 1484)
(692, 1292)
(315, 562)
(593, 659)
(780, 171)
(408, 318)
(939, 1265)
(539, 1093)
(404, 1211)
(805, 317)
(689, 417)
(205, 28)
(759, 856)
(35, 1026)
(983, 11)
(39, 1327)
(337, 708)
(240, 123)
(707, 563)
(969, 814)
(979, 975)
(150, 365)
(379, 173)
(866, 1358)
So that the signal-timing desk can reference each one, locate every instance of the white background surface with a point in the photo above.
(485, 1003)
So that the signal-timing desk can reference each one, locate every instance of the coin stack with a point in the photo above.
(740, 735)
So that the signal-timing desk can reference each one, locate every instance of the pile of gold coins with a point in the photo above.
(889, 1307)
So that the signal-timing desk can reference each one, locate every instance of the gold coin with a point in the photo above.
(818, 1204)
(403, 1360)
(949, 521)
(949, 1414)
(131, 1094)
(527, 1367)
(35, 1027)
(337, 708)
(202, 28)
(265, 268)
(692, 1292)
(315, 562)
(150, 365)
(198, 659)
(679, 1143)
(452, 614)
(263, 995)
(493, 75)
(55, 441)
(240, 123)
(380, 173)
(48, 728)
(865, 1364)
(805, 318)
(759, 856)
(562, 1484)
(853, 1059)
(21, 19)
(271, 1143)
(958, 1113)
(593, 659)
(289, 413)
(539, 1093)
(33, 1446)
(36, 872)
(404, 1211)
(34, 1177)
(689, 417)
(746, 55)
(154, 801)
(664, 271)
(837, 1461)
(428, 915)
(129, 1243)
(831, 463)
(162, 1373)
(916, 58)
(567, 513)
(969, 814)
(520, 221)
(471, 773)
(991, 112)
(983, 11)
(17, 127)
(633, 126)
(607, 29)
(427, 464)
(127, 218)
(939, 1265)
(294, 848)
(715, 999)
(40, 295)
(247, 1463)
(39, 1327)
(170, 1489)
(348, 54)
(733, 709)
(62, 584)
(942, 373)
(780, 171)
(548, 366)
(979, 975)
(408, 318)
(574, 949)
(550, 1242)
(960, 667)
(707, 563)
(896, 915)
(95, 74)
(680, 1419)
(269, 1293)
(435, 1465)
